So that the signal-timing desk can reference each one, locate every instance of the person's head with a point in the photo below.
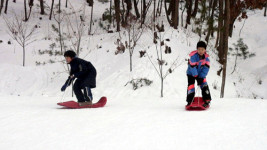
(69, 55)
(201, 48)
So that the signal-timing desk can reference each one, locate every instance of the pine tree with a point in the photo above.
(240, 50)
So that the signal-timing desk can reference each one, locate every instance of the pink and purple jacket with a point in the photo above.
(198, 67)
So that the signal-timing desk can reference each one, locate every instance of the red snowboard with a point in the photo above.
(72, 104)
(196, 104)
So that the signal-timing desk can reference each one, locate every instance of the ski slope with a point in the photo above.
(132, 124)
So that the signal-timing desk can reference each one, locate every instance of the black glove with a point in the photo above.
(199, 81)
(64, 87)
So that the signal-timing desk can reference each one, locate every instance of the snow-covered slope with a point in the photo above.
(132, 123)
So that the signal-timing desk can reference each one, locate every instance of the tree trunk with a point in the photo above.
(131, 63)
(175, 12)
(182, 17)
(144, 11)
(6, 6)
(159, 8)
(189, 10)
(42, 7)
(110, 12)
(51, 11)
(136, 9)
(235, 64)
(25, 10)
(211, 21)
(227, 21)
(195, 9)
(59, 6)
(117, 13)
(231, 28)
(30, 5)
(91, 20)
(265, 9)
(1, 6)
(123, 18)
(60, 37)
(128, 7)
(221, 31)
(23, 54)
(171, 7)
(210, 5)
(167, 13)
(161, 91)
(154, 15)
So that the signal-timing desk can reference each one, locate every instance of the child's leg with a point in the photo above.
(205, 91)
(88, 94)
(190, 89)
(78, 91)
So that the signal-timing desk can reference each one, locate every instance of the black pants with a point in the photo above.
(191, 89)
(83, 93)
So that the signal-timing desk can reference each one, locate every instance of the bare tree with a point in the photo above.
(160, 62)
(91, 20)
(22, 32)
(132, 35)
(76, 28)
(59, 18)
(225, 48)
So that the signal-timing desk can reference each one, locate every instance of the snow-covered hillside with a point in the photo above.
(32, 123)
(132, 119)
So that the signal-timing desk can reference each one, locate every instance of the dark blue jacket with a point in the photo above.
(197, 66)
(83, 70)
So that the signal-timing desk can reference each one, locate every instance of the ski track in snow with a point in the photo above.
(132, 124)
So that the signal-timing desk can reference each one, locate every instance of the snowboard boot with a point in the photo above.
(87, 103)
(188, 103)
(206, 103)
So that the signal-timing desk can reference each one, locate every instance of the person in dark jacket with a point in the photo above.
(198, 68)
(85, 74)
